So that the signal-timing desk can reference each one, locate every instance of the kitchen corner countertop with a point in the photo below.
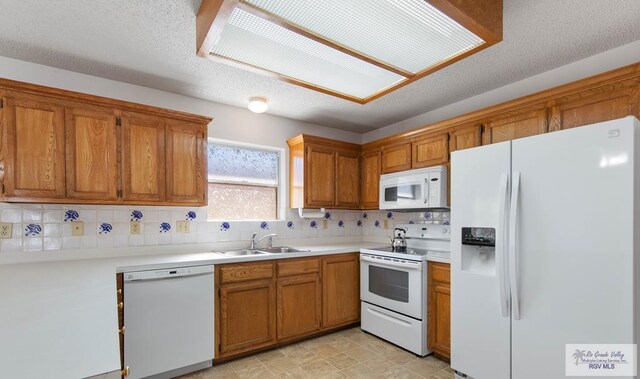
(61, 317)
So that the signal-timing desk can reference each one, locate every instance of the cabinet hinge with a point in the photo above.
(481, 129)
(118, 121)
(2, 187)
(1, 103)
(119, 193)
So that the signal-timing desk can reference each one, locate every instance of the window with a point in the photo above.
(243, 182)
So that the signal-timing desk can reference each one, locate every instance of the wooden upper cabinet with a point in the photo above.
(324, 173)
(465, 137)
(396, 157)
(33, 154)
(143, 158)
(186, 165)
(430, 151)
(371, 165)
(347, 179)
(594, 105)
(340, 290)
(320, 176)
(510, 127)
(91, 153)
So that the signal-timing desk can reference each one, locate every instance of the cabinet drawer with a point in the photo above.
(243, 272)
(440, 272)
(298, 267)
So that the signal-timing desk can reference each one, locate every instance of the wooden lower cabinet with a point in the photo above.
(262, 304)
(299, 306)
(340, 290)
(247, 316)
(439, 309)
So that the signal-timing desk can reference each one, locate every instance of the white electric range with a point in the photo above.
(393, 286)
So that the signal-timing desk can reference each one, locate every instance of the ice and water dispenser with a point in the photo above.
(479, 250)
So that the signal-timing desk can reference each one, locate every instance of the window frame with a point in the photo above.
(280, 191)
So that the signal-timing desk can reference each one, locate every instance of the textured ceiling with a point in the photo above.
(152, 43)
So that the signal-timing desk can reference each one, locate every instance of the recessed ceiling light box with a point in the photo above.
(357, 50)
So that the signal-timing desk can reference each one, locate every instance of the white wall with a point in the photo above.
(229, 122)
(606, 61)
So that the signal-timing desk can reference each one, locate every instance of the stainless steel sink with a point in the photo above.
(282, 249)
(243, 252)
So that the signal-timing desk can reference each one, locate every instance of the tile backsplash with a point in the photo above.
(49, 227)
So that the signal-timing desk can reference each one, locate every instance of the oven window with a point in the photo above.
(402, 192)
(389, 283)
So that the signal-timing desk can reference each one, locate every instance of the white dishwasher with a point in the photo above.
(168, 316)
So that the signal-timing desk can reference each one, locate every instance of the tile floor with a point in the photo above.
(346, 354)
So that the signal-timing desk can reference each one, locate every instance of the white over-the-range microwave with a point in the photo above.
(414, 190)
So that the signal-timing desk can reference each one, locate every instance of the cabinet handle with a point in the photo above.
(120, 305)
(125, 372)
(121, 330)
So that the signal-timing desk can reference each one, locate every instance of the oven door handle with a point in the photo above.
(412, 266)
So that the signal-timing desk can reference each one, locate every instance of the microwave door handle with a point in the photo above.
(413, 266)
(426, 190)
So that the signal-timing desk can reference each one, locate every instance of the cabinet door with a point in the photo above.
(143, 158)
(347, 179)
(340, 290)
(439, 309)
(320, 176)
(299, 306)
(186, 149)
(595, 105)
(396, 157)
(92, 154)
(34, 156)
(430, 151)
(465, 138)
(516, 126)
(247, 316)
(371, 179)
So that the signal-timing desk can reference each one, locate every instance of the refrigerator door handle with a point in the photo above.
(513, 243)
(501, 245)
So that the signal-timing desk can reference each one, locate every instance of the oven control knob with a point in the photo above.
(444, 230)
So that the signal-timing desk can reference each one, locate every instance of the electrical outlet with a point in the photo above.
(182, 226)
(77, 228)
(6, 230)
(135, 227)
(325, 224)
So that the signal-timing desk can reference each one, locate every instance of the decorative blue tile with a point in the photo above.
(445, 222)
(105, 228)
(71, 215)
(428, 216)
(264, 225)
(412, 222)
(191, 215)
(376, 224)
(313, 224)
(359, 223)
(32, 230)
(225, 226)
(340, 224)
(165, 227)
(365, 215)
(390, 215)
(290, 225)
(136, 215)
(327, 216)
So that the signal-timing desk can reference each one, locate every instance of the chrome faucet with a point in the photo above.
(255, 243)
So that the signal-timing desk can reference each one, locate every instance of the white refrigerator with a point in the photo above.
(561, 211)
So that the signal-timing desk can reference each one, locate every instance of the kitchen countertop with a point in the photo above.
(60, 316)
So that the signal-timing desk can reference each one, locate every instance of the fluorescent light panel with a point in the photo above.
(408, 34)
(255, 41)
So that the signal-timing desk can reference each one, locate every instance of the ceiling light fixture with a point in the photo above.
(356, 50)
(258, 104)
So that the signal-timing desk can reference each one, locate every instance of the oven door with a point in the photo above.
(394, 284)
